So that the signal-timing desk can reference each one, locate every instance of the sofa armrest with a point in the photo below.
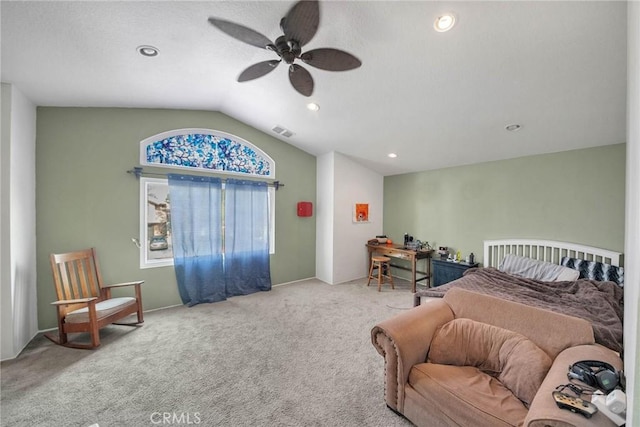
(544, 412)
(403, 341)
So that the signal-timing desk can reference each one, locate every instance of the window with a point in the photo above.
(155, 222)
(206, 150)
(195, 149)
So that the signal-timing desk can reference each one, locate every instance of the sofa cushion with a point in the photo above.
(532, 322)
(466, 395)
(513, 359)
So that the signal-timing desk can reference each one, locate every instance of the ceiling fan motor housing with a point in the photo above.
(288, 50)
(298, 28)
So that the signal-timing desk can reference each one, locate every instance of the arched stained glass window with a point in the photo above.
(206, 150)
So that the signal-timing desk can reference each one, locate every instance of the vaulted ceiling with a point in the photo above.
(436, 99)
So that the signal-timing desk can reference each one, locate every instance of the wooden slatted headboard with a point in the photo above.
(545, 250)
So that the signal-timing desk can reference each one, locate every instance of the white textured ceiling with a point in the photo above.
(436, 99)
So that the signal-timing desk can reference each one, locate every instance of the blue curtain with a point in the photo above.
(246, 253)
(196, 226)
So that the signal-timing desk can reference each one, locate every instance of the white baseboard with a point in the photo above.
(294, 281)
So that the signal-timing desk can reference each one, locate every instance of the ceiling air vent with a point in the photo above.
(282, 131)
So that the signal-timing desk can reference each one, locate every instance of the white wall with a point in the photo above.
(324, 217)
(6, 299)
(341, 183)
(632, 218)
(354, 184)
(18, 223)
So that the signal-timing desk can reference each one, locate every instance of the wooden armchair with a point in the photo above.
(84, 302)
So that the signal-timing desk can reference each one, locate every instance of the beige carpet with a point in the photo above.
(299, 355)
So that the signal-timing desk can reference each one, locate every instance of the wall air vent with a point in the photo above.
(282, 131)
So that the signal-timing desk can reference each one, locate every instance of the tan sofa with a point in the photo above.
(433, 394)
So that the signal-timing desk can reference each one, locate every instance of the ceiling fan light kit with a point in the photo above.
(298, 26)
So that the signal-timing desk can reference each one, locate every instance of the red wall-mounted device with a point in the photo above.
(305, 208)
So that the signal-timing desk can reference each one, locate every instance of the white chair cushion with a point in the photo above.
(103, 309)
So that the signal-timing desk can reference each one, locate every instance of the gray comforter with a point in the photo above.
(598, 302)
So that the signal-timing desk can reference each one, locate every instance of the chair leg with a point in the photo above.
(93, 321)
(384, 266)
(60, 338)
(139, 301)
(370, 272)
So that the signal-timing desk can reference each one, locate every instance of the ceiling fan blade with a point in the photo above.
(301, 22)
(330, 59)
(241, 33)
(300, 79)
(258, 70)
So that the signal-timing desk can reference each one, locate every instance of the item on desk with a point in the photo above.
(373, 241)
(408, 240)
(458, 256)
(472, 258)
(422, 246)
(414, 246)
(382, 238)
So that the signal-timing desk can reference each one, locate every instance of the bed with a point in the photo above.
(577, 280)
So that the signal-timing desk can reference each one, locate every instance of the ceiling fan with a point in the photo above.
(298, 26)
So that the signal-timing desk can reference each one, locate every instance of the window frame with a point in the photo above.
(146, 260)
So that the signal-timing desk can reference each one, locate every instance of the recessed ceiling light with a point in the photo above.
(444, 23)
(148, 50)
(392, 155)
(313, 106)
(513, 127)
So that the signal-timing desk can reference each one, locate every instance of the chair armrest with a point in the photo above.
(404, 341)
(73, 301)
(119, 285)
(544, 411)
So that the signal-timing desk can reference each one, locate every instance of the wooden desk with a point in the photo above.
(398, 251)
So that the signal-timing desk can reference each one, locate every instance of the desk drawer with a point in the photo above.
(392, 252)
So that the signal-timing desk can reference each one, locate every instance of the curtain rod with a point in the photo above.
(138, 172)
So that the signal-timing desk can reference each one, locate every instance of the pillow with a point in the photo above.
(534, 269)
(594, 270)
(568, 275)
(512, 358)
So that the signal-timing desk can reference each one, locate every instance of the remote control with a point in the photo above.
(574, 404)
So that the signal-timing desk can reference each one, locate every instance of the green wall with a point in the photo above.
(574, 196)
(84, 197)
